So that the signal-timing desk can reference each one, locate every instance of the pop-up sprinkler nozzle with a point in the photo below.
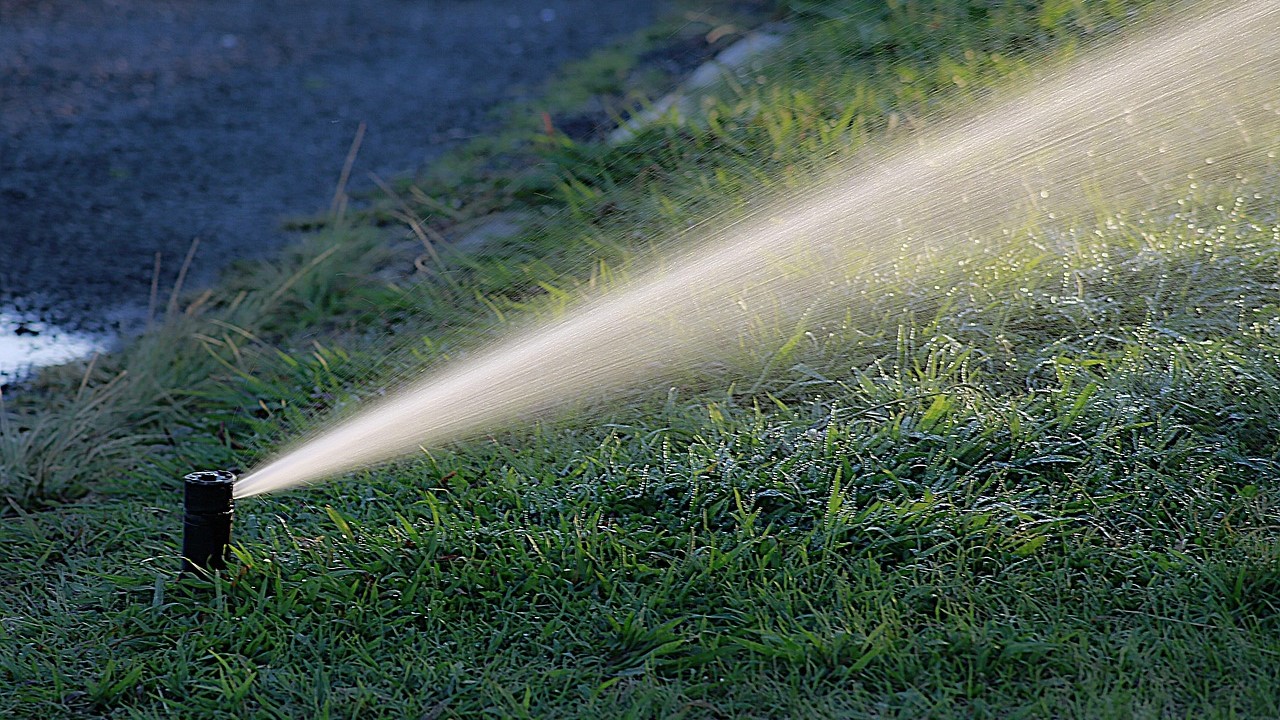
(206, 524)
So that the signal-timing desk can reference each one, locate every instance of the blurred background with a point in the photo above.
(130, 128)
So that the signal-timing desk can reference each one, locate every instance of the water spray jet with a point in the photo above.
(206, 523)
(1194, 98)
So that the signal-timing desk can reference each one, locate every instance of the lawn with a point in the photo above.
(1041, 486)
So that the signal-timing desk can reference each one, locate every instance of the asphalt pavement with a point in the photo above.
(130, 127)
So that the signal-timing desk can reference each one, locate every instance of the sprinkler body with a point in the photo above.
(206, 522)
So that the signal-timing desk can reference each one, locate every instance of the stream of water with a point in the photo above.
(1199, 94)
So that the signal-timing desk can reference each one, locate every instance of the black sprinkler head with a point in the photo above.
(206, 524)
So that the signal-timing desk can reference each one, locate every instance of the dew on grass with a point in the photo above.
(1132, 119)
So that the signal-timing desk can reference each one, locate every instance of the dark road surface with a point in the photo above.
(129, 127)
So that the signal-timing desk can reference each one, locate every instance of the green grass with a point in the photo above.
(1046, 489)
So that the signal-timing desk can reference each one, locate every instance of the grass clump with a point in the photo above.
(71, 428)
(1044, 488)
